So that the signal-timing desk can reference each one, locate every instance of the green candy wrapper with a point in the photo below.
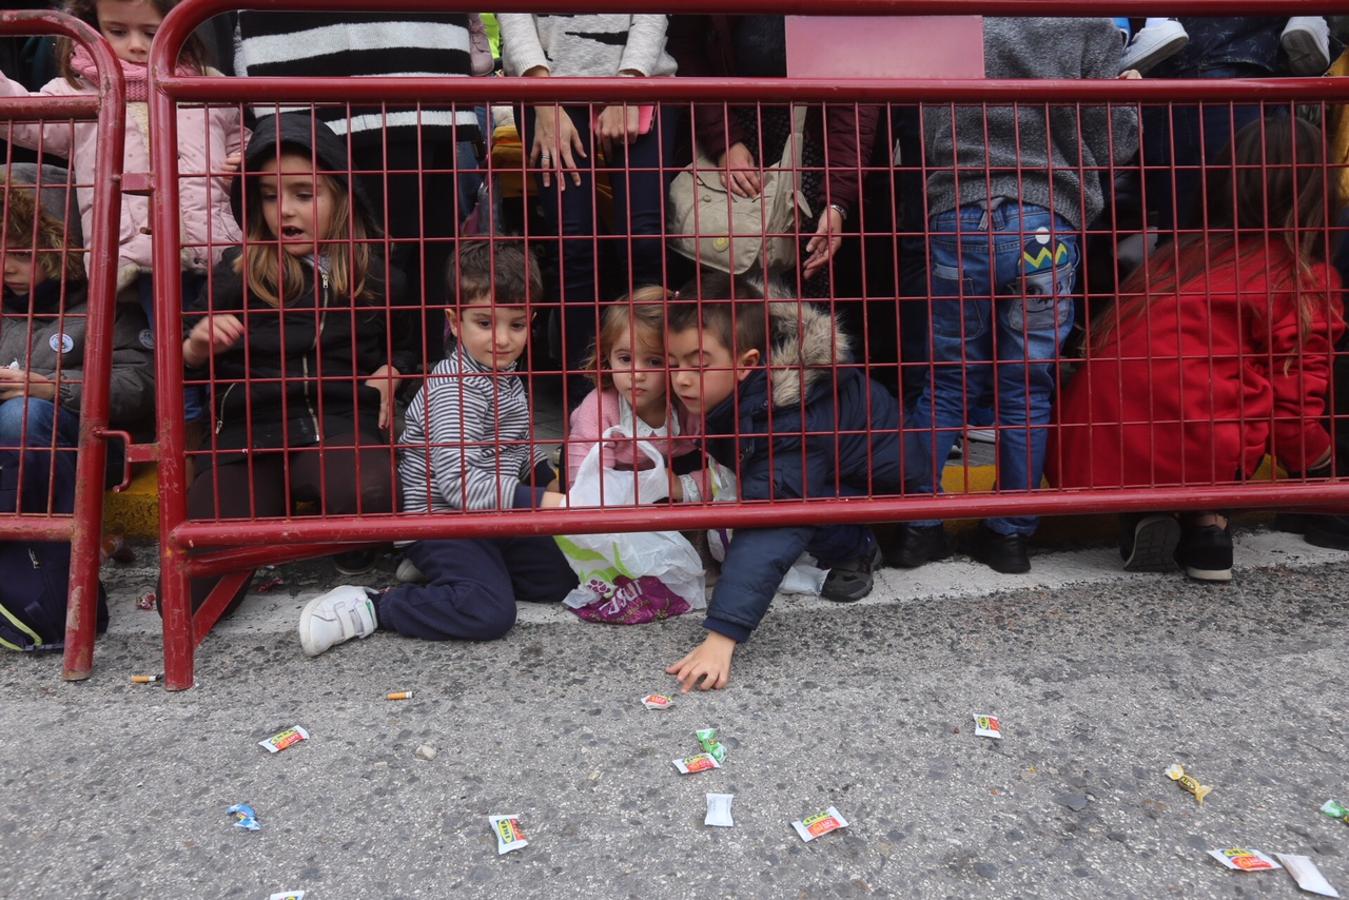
(1336, 810)
(707, 739)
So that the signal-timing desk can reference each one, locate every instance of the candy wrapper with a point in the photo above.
(719, 810)
(707, 739)
(287, 895)
(820, 824)
(283, 739)
(1307, 876)
(657, 701)
(1188, 782)
(692, 765)
(1244, 860)
(510, 836)
(1336, 810)
(244, 817)
(987, 726)
(146, 601)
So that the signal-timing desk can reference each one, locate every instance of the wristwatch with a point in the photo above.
(842, 210)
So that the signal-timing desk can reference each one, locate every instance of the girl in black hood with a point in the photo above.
(292, 338)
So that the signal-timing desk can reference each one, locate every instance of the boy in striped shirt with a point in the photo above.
(467, 446)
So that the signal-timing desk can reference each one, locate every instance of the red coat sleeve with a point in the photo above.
(851, 137)
(1300, 359)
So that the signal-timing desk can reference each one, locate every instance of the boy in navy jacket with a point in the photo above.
(784, 408)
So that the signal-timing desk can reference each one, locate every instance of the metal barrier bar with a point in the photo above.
(231, 547)
(84, 528)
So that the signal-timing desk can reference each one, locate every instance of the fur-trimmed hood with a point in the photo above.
(805, 345)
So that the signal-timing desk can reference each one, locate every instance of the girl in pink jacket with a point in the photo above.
(209, 140)
(631, 377)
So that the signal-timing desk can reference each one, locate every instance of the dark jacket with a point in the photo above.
(841, 440)
(299, 372)
(36, 335)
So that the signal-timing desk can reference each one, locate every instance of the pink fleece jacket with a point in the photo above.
(599, 412)
(204, 200)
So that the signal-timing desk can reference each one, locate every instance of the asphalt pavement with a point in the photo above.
(1100, 680)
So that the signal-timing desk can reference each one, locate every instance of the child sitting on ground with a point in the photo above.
(631, 389)
(467, 447)
(782, 408)
(1217, 353)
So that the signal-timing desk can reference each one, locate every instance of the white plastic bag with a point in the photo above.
(629, 579)
(804, 577)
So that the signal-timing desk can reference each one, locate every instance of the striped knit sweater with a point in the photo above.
(594, 45)
(467, 440)
(355, 44)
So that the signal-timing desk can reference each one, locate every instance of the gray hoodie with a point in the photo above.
(1023, 145)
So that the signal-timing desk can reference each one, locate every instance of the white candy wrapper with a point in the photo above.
(287, 895)
(987, 726)
(1307, 876)
(719, 810)
(820, 824)
(1243, 860)
(283, 739)
(510, 836)
(692, 765)
(657, 701)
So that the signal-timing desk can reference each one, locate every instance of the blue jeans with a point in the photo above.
(194, 396)
(997, 325)
(637, 237)
(28, 444)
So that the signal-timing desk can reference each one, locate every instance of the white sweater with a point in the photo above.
(587, 45)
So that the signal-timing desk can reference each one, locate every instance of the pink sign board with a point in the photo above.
(885, 46)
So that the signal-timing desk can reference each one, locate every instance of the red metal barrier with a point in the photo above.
(51, 114)
(271, 478)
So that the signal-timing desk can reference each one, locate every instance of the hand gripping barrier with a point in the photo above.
(277, 480)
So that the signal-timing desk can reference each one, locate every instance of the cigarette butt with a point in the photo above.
(146, 679)
(398, 695)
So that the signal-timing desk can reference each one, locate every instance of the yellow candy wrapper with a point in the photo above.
(1188, 782)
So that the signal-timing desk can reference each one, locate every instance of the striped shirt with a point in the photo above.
(467, 440)
(361, 44)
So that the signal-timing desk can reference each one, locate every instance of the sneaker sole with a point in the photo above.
(1155, 542)
(1209, 576)
(1156, 55)
(1301, 45)
(306, 616)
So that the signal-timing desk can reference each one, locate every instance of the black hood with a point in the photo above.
(308, 135)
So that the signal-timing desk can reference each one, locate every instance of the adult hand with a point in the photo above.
(739, 172)
(385, 379)
(16, 383)
(557, 144)
(709, 665)
(210, 336)
(822, 247)
(617, 124)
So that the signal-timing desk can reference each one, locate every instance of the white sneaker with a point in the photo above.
(982, 435)
(408, 573)
(341, 614)
(1154, 44)
(1306, 40)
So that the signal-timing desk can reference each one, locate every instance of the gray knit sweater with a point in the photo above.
(1020, 152)
(585, 45)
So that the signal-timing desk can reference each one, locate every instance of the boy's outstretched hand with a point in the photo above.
(709, 662)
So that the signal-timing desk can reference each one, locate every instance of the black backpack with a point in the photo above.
(34, 582)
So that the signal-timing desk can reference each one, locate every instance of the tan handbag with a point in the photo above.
(715, 228)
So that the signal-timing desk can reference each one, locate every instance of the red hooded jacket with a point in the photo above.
(1203, 383)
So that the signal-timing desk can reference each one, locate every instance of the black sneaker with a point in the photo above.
(355, 562)
(852, 580)
(1331, 532)
(1005, 553)
(1148, 544)
(1205, 553)
(914, 545)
